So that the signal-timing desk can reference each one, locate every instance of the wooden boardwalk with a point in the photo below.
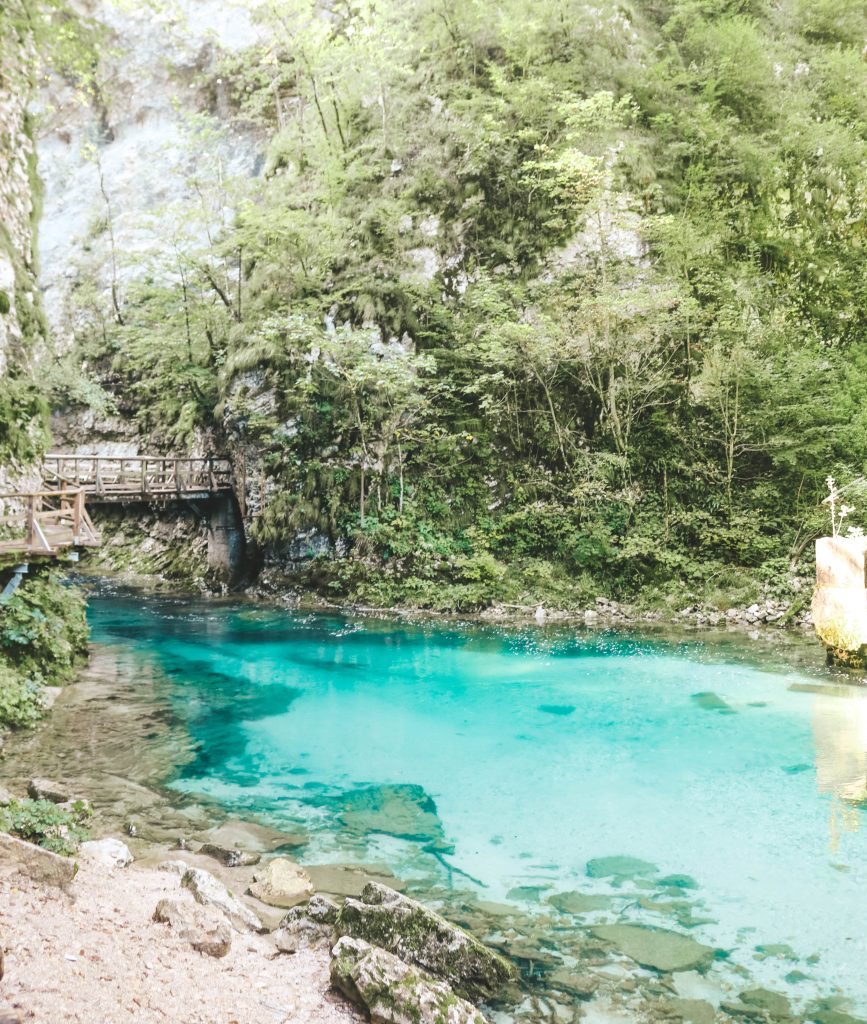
(44, 524)
(139, 477)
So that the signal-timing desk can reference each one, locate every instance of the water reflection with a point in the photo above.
(840, 732)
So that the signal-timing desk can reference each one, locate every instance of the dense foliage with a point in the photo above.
(530, 301)
(43, 637)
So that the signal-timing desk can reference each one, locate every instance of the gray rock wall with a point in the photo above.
(19, 300)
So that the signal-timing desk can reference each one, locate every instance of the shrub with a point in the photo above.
(54, 827)
(20, 700)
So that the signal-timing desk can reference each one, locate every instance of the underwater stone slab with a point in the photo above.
(619, 867)
(655, 947)
(403, 811)
(418, 935)
(575, 902)
(235, 834)
(393, 992)
(233, 858)
(45, 789)
(350, 879)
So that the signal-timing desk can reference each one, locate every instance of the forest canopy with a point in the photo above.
(528, 301)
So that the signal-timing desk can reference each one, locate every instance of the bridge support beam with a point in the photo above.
(226, 542)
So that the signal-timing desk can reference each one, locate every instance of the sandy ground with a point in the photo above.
(96, 955)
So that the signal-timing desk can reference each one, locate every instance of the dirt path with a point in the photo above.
(96, 956)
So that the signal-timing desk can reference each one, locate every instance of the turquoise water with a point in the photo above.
(502, 761)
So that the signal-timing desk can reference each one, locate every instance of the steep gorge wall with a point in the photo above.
(20, 316)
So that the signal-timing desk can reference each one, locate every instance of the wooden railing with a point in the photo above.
(45, 523)
(139, 477)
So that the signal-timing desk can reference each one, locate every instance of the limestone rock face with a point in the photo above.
(111, 853)
(839, 607)
(209, 892)
(205, 928)
(406, 928)
(282, 883)
(393, 992)
(17, 856)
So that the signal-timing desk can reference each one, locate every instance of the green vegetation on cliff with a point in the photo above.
(531, 300)
(43, 638)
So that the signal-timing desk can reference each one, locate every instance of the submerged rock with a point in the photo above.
(776, 1004)
(45, 789)
(655, 947)
(575, 902)
(209, 892)
(235, 834)
(582, 986)
(709, 701)
(282, 883)
(109, 852)
(18, 856)
(393, 992)
(418, 935)
(350, 879)
(619, 867)
(404, 811)
(231, 858)
(696, 1011)
(205, 928)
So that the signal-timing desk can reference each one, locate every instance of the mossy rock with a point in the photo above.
(417, 935)
(5, 304)
(392, 991)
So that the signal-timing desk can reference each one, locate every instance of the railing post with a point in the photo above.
(77, 509)
(31, 521)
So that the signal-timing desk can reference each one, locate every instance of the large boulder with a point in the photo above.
(282, 883)
(306, 927)
(42, 866)
(111, 853)
(393, 992)
(209, 892)
(417, 935)
(205, 928)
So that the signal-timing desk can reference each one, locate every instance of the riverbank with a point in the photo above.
(96, 955)
(180, 724)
